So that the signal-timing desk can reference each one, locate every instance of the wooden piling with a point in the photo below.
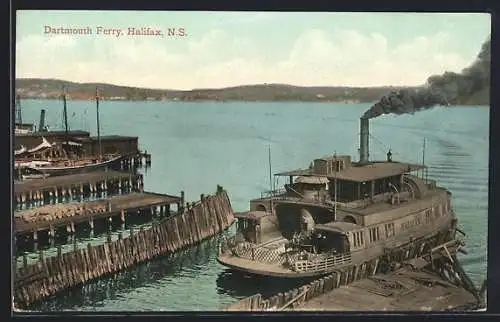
(204, 219)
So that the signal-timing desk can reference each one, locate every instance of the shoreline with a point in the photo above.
(226, 101)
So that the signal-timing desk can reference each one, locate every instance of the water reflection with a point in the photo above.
(25, 244)
(162, 270)
(239, 285)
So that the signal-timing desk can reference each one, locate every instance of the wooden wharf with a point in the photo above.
(43, 190)
(402, 290)
(199, 221)
(421, 276)
(50, 217)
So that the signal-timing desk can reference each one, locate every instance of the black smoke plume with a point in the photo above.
(447, 89)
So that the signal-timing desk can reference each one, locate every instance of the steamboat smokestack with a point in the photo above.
(364, 135)
(41, 126)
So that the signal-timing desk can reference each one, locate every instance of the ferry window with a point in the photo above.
(346, 190)
(365, 189)
(374, 236)
(428, 215)
(389, 230)
(437, 211)
(337, 165)
(242, 224)
(418, 220)
(358, 239)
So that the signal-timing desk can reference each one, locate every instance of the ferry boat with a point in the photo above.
(338, 213)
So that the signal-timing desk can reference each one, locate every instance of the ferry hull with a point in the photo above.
(443, 228)
(226, 261)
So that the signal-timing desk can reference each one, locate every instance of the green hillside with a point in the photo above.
(51, 88)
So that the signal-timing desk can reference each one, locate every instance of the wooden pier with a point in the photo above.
(403, 290)
(406, 265)
(41, 190)
(201, 220)
(51, 217)
(134, 161)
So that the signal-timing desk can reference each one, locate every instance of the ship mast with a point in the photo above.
(98, 123)
(270, 180)
(19, 116)
(335, 190)
(424, 172)
(65, 116)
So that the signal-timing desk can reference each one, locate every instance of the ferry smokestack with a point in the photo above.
(364, 135)
(41, 126)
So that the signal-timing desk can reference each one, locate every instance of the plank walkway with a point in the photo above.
(201, 220)
(53, 216)
(21, 187)
(402, 290)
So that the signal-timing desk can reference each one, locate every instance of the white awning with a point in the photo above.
(21, 150)
(45, 144)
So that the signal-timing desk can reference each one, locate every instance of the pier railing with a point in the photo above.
(321, 265)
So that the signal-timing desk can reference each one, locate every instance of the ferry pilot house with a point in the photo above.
(328, 179)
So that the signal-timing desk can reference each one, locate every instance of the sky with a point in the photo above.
(221, 49)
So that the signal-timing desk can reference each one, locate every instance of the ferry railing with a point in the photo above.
(316, 199)
(321, 265)
(272, 193)
(281, 194)
(430, 183)
(256, 253)
(226, 244)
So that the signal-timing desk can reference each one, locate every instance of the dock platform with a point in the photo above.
(402, 290)
(51, 217)
(60, 186)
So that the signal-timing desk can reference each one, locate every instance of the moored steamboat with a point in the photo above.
(339, 213)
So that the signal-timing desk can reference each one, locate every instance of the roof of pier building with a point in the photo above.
(39, 143)
(110, 138)
(73, 133)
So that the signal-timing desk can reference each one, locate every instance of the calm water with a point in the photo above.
(196, 146)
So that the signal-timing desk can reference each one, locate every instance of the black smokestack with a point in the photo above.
(41, 125)
(447, 89)
(364, 136)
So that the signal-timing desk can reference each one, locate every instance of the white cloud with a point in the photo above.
(248, 17)
(220, 59)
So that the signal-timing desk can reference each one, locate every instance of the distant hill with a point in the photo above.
(51, 88)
